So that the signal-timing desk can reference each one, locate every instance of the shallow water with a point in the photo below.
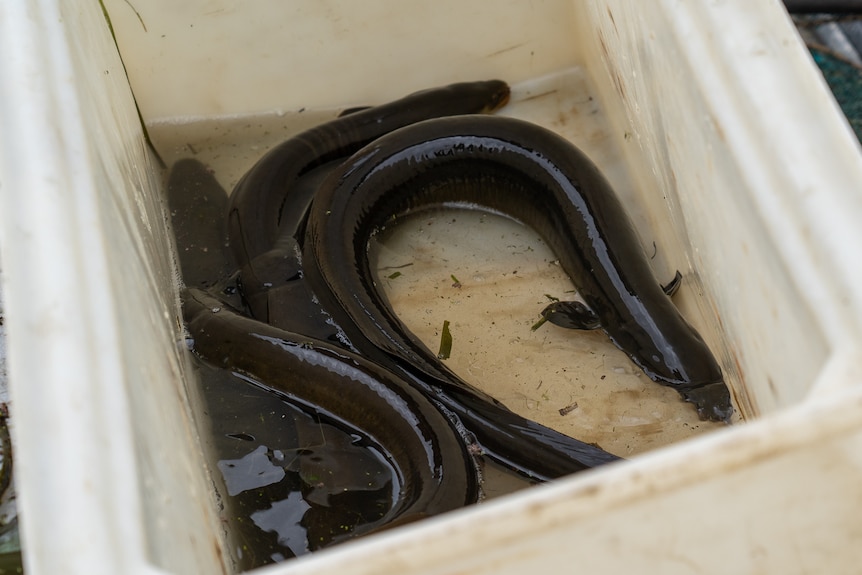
(489, 277)
(292, 481)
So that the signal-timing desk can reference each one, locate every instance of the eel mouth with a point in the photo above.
(498, 100)
(711, 401)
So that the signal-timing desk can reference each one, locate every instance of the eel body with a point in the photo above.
(267, 209)
(266, 224)
(535, 176)
(433, 469)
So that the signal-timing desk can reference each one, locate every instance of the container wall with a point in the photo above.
(724, 117)
(759, 211)
(307, 54)
(777, 496)
(107, 463)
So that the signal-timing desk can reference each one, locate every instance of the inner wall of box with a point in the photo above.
(679, 150)
(683, 178)
(666, 129)
(623, 98)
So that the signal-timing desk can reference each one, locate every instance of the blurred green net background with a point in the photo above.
(846, 83)
(835, 42)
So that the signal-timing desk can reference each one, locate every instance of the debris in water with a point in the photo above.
(569, 408)
(445, 342)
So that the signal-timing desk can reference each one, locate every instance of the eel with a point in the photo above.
(533, 175)
(434, 471)
(266, 212)
(433, 468)
(267, 241)
(197, 205)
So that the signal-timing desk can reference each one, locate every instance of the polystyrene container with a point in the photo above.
(713, 119)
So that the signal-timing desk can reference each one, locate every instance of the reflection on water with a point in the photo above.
(292, 483)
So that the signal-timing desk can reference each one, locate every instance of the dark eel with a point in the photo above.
(533, 175)
(267, 212)
(434, 471)
(274, 286)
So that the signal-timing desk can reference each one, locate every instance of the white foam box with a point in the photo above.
(708, 116)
